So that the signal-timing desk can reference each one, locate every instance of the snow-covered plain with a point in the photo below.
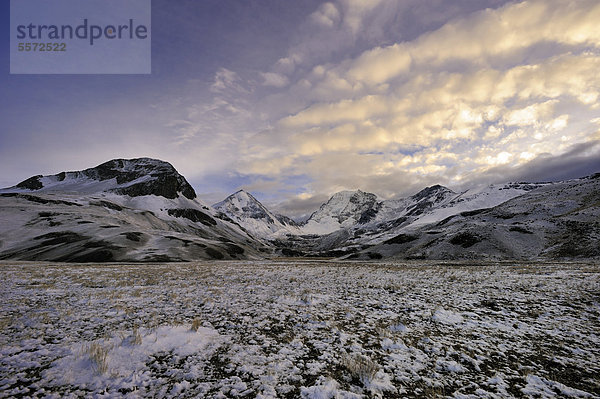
(309, 329)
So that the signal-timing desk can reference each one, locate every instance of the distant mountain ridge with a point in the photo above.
(436, 223)
(143, 210)
(559, 220)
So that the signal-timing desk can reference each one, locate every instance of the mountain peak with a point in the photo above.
(241, 198)
(134, 177)
(432, 191)
(349, 193)
(243, 204)
(242, 207)
(428, 198)
(344, 208)
(243, 194)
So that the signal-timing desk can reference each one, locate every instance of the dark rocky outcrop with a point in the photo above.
(401, 239)
(465, 239)
(194, 215)
(33, 183)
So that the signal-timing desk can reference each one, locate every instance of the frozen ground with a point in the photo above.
(300, 329)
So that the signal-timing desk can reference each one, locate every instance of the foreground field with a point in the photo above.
(300, 329)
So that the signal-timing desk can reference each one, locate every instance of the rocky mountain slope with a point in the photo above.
(552, 221)
(122, 210)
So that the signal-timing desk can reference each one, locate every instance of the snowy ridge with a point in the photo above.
(358, 209)
(133, 177)
(437, 223)
(430, 205)
(451, 203)
(112, 227)
(417, 205)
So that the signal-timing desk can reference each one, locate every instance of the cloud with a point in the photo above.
(530, 115)
(578, 160)
(274, 79)
(483, 37)
(380, 64)
(355, 12)
(513, 27)
(345, 110)
(327, 15)
(225, 80)
(496, 90)
(287, 65)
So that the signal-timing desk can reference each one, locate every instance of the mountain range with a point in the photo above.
(143, 210)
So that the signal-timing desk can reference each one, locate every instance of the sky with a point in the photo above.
(296, 100)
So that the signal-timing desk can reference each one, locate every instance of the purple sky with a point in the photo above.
(295, 100)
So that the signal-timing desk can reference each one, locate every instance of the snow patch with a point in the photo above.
(444, 316)
(119, 361)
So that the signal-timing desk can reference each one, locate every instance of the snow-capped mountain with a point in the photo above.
(356, 218)
(253, 216)
(436, 203)
(343, 210)
(358, 209)
(415, 206)
(122, 210)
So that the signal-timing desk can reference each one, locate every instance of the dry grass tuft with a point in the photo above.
(196, 324)
(136, 337)
(306, 297)
(360, 367)
(98, 355)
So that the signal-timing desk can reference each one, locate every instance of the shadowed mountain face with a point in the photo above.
(116, 228)
(132, 177)
(244, 204)
(428, 198)
(353, 206)
(348, 209)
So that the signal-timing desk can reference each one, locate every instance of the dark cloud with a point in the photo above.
(300, 209)
(582, 159)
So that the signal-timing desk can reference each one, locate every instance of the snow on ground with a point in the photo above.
(300, 329)
(478, 198)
